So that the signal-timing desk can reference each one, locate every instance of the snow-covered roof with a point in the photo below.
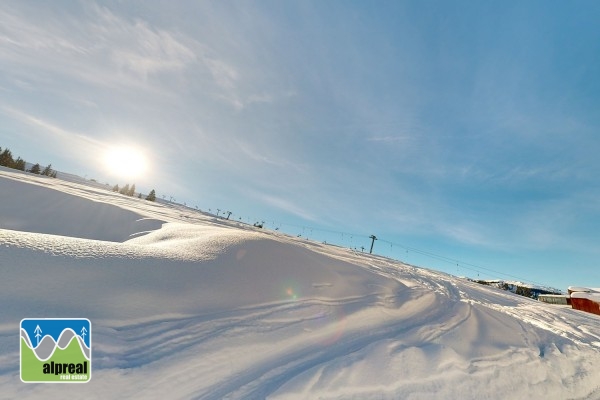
(583, 289)
(594, 296)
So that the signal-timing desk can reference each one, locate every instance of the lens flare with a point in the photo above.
(338, 329)
(326, 321)
(291, 294)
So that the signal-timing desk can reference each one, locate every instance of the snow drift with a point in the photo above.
(205, 308)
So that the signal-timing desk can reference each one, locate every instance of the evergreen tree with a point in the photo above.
(116, 188)
(35, 169)
(53, 174)
(524, 291)
(125, 189)
(48, 170)
(19, 164)
(139, 196)
(151, 196)
(6, 159)
(131, 191)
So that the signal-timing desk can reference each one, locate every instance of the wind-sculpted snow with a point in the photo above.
(211, 309)
(40, 209)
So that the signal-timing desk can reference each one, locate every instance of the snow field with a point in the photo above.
(204, 308)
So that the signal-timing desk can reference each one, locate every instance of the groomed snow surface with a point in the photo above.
(185, 305)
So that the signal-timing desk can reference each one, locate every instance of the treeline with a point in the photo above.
(7, 160)
(130, 191)
(126, 190)
(516, 289)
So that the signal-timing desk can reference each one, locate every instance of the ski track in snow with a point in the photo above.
(211, 309)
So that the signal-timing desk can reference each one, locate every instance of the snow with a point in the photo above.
(594, 296)
(185, 305)
(583, 289)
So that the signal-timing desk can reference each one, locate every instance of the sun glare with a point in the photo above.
(125, 162)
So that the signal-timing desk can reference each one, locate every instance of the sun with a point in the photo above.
(125, 161)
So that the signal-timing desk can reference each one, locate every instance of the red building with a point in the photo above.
(585, 299)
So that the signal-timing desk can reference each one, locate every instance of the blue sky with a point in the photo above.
(464, 129)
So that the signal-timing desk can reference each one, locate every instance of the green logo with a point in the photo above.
(56, 350)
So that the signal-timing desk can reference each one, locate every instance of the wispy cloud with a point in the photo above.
(282, 204)
(73, 140)
(103, 49)
(73, 145)
(259, 155)
(389, 139)
(224, 74)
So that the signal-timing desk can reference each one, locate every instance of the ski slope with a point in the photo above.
(185, 305)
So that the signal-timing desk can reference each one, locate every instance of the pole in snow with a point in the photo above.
(372, 243)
